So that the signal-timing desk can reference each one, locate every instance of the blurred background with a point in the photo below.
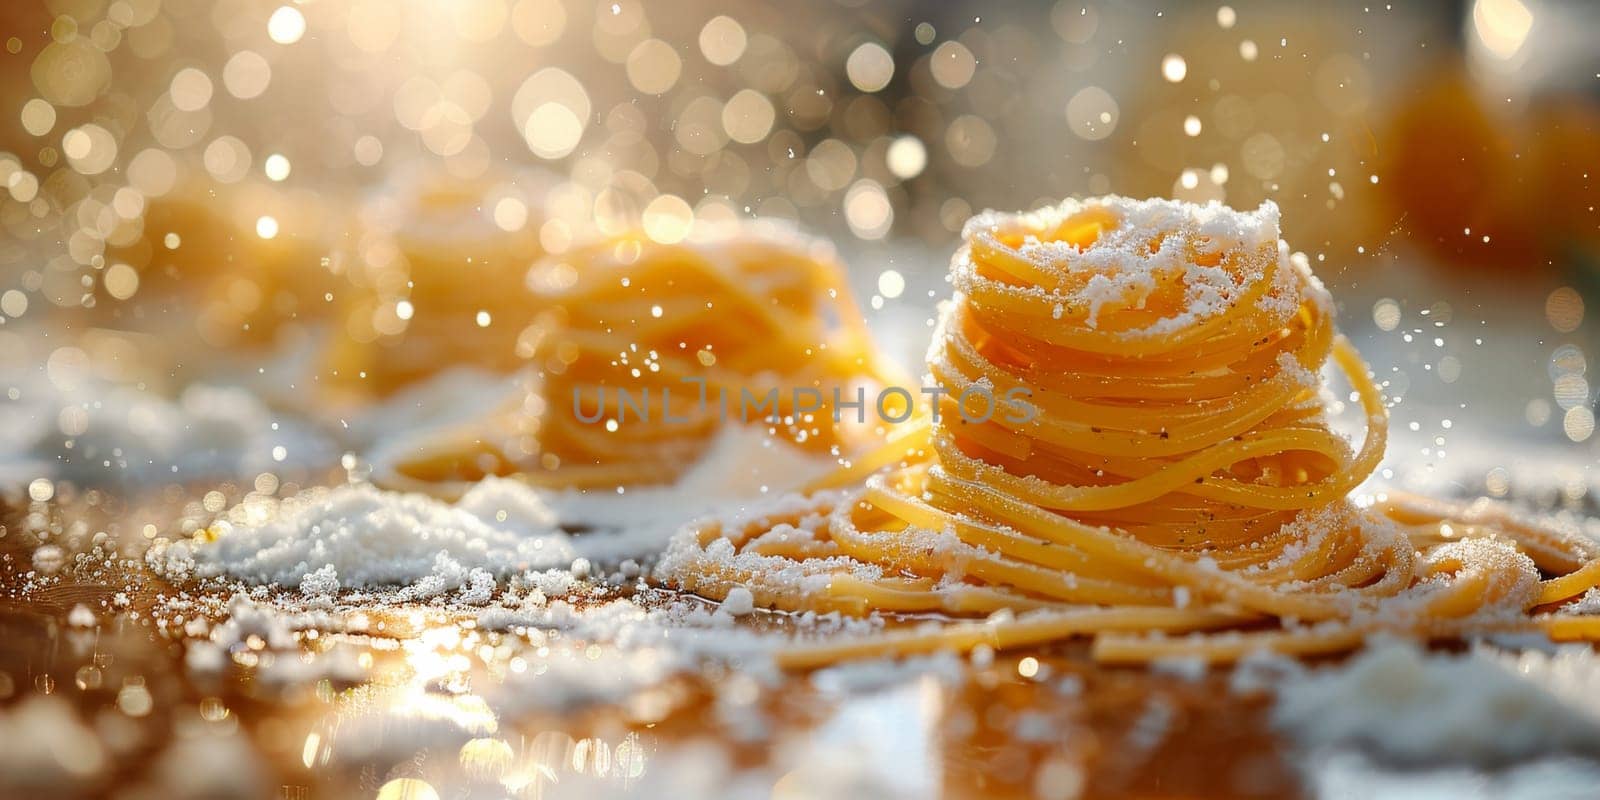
(215, 189)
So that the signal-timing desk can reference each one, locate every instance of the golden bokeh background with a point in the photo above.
(368, 179)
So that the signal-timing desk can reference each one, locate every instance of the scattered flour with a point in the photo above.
(265, 636)
(1589, 603)
(360, 536)
(608, 653)
(455, 396)
(357, 536)
(872, 675)
(1263, 671)
(1185, 668)
(744, 465)
(97, 433)
(849, 754)
(1486, 706)
(1352, 775)
(719, 568)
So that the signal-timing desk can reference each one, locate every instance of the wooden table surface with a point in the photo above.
(1071, 729)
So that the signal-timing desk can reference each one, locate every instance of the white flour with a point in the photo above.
(358, 536)
(1485, 706)
(96, 433)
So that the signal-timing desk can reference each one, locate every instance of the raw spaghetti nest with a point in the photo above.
(638, 349)
(1178, 474)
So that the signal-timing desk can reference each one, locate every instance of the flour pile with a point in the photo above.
(1485, 706)
(359, 537)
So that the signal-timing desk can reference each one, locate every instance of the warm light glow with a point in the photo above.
(668, 219)
(870, 67)
(286, 25)
(1502, 25)
(907, 157)
(1174, 68)
(277, 167)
